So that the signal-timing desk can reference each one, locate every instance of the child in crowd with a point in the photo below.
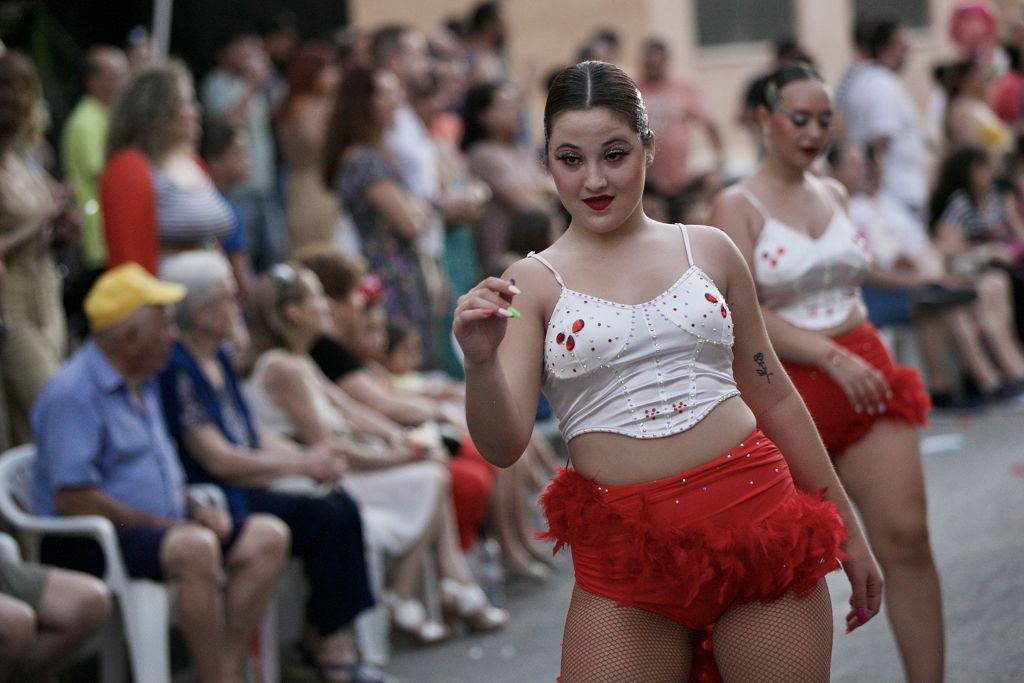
(225, 151)
(403, 359)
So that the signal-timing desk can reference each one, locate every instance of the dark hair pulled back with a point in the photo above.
(592, 85)
(783, 76)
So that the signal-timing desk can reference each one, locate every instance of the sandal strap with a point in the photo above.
(469, 598)
(408, 614)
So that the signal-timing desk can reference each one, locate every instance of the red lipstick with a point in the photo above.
(811, 151)
(599, 202)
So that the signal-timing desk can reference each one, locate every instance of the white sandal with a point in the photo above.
(410, 617)
(468, 602)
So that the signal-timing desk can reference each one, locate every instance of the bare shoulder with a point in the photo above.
(836, 189)
(540, 289)
(731, 198)
(715, 252)
(709, 239)
(715, 241)
(733, 212)
(283, 370)
(533, 272)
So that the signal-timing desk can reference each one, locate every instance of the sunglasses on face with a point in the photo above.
(284, 273)
(286, 276)
(801, 117)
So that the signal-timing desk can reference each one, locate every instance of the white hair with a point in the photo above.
(202, 272)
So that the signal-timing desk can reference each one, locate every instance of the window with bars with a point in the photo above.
(720, 22)
(911, 13)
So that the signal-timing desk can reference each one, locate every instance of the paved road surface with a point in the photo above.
(977, 521)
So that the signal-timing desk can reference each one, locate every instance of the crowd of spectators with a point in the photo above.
(271, 260)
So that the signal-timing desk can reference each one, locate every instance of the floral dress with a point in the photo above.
(391, 256)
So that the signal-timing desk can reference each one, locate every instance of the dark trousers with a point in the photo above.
(327, 535)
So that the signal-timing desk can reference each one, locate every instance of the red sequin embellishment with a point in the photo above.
(577, 326)
(723, 310)
(560, 338)
(710, 297)
(570, 343)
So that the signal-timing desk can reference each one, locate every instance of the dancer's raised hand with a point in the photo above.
(481, 316)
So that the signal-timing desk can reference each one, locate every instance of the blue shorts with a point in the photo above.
(140, 551)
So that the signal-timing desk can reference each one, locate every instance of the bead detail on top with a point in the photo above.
(644, 370)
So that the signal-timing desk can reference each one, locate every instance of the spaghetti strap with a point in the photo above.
(686, 244)
(829, 195)
(558, 278)
(752, 198)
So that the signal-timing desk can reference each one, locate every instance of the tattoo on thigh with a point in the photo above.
(762, 369)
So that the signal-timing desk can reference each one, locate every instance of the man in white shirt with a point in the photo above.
(878, 109)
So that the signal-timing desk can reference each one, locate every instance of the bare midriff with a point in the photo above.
(858, 314)
(617, 460)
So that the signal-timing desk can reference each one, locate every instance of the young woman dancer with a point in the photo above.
(802, 249)
(680, 511)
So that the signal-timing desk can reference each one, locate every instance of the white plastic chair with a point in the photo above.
(106, 643)
(9, 551)
(144, 605)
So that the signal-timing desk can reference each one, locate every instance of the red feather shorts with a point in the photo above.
(839, 425)
(688, 546)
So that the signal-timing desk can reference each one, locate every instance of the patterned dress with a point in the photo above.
(390, 255)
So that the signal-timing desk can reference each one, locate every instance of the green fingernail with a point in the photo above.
(514, 312)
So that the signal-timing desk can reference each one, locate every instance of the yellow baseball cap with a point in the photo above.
(121, 291)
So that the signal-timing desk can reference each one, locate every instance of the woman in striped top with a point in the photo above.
(157, 197)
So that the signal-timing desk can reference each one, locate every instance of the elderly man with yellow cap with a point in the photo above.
(103, 449)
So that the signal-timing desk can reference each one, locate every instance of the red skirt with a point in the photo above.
(687, 547)
(839, 425)
(472, 483)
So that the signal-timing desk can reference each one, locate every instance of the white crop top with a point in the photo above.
(644, 370)
(812, 283)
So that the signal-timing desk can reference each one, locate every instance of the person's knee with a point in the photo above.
(18, 628)
(94, 603)
(88, 602)
(191, 551)
(266, 539)
(993, 286)
(904, 539)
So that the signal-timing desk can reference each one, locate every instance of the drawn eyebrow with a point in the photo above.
(603, 144)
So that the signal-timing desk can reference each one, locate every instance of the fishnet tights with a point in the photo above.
(787, 641)
(608, 644)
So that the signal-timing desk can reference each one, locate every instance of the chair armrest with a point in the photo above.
(100, 529)
(9, 551)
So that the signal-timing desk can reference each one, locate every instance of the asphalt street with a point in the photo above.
(976, 515)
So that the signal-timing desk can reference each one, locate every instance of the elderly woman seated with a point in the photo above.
(220, 442)
(401, 484)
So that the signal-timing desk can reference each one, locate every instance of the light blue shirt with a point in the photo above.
(89, 432)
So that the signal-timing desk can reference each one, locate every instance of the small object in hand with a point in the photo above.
(862, 615)
(514, 312)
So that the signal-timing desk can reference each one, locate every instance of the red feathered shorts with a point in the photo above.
(688, 546)
(839, 425)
